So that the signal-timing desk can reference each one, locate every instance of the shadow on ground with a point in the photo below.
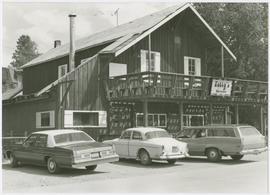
(222, 161)
(42, 171)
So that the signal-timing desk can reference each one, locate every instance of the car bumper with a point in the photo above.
(253, 151)
(96, 161)
(173, 156)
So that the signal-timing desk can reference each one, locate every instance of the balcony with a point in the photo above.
(175, 87)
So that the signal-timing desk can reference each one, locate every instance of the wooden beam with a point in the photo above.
(180, 108)
(145, 113)
(236, 114)
(149, 52)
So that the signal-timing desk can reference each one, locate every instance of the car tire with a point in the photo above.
(213, 154)
(13, 160)
(171, 161)
(237, 157)
(52, 166)
(145, 158)
(91, 168)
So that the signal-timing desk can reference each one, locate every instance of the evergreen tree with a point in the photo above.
(26, 50)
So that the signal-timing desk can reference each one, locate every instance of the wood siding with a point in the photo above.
(173, 40)
(39, 76)
(19, 118)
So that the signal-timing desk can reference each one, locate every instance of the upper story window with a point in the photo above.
(154, 62)
(117, 69)
(62, 70)
(192, 66)
(45, 119)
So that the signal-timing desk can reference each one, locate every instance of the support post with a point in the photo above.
(149, 52)
(211, 114)
(237, 114)
(145, 113)
(180, 108)
(222, 62)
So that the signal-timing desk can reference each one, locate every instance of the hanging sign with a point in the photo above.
(221, 87)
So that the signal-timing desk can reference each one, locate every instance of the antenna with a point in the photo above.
(116, 13)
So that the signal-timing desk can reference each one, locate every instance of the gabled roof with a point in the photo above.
(123, 36)
(12, 92)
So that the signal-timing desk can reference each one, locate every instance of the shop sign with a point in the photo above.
(221, 87)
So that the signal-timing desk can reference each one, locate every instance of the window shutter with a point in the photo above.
(186, 65)
(143, 61)
(52, 120)
(157, 62)
(68, 118)
(38, 120)
(198, 67)
(102, 119)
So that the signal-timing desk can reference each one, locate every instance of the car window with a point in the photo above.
(136, 135)
(197, 133)
(126, 135)
(221, 132)
(72, 137)
(31, 140)
(249, 131)
(41, 141)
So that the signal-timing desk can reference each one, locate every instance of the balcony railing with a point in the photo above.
(179, 86)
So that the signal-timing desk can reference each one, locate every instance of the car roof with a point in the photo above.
(218, 126)
(57, 131)
(145, 129)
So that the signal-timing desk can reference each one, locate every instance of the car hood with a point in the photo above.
(83, 146)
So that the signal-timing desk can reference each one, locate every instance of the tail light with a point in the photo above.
(163, 149)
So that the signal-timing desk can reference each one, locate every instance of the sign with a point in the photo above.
(221, 88)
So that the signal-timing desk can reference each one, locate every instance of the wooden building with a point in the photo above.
(149, 72)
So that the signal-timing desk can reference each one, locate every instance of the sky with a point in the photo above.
(48, 21)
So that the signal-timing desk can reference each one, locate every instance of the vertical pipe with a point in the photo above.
(222, 61)
(72, 41)
(237, 114)
(145, 112)
(149, 52)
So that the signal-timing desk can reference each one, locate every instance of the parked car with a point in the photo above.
(216, 141)
(61, 149)
(147, 144)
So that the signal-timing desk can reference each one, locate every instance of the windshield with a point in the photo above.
(156, 134)
(72, 137)
(249, 131)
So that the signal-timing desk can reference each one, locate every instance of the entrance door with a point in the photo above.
(193, 120)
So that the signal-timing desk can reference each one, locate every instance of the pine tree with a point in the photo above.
(26, 50)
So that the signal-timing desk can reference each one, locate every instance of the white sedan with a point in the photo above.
(147, 144)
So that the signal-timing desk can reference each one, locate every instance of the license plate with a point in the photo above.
(86, 155)
(95, 155)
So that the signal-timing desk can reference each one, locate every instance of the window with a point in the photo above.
(41, 141)
(221, 133)
(154, 120)
(249, 131)
(84, 118)
(155, 61)
(31, 140)
(136, 135)
(126, 135)
(45, 119)
(193, 120)
(116, 69)
(72, 137)
(192, 66)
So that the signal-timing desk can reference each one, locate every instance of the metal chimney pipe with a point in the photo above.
(72, 41)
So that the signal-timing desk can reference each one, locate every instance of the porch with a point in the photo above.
(175, 87)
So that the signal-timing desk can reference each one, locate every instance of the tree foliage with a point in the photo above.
(26, 50)
(243, 27)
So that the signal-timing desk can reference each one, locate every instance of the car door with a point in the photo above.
(135, 144)
(121, 146)
(25, 153)
(39, 149)
(197, 142)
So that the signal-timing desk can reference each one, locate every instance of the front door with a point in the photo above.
(122, 146)
(134, 144)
